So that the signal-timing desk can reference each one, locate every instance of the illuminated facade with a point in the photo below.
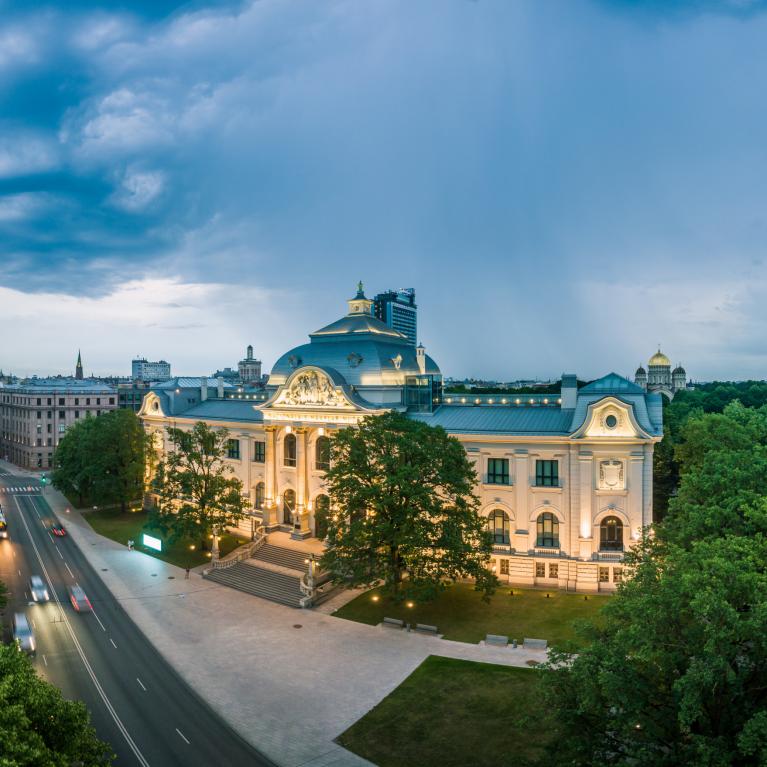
(564, 482)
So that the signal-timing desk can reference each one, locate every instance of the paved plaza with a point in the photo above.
(289, 681)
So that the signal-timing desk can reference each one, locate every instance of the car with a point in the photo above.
(22, 634)
(38, 589)
(79, 601)
(58, 529)
(3, 525)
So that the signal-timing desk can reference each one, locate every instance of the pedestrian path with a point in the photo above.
(20, 490)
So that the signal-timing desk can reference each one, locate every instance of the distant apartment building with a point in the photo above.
(35, 414)
(131, 393)
(398, 310)
(249, 368)
(143, 370)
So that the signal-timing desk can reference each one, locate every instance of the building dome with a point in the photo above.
(679, 371)
(641, 371)
(659, 359)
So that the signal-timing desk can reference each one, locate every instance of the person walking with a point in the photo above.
(187, 573)
(130, 544)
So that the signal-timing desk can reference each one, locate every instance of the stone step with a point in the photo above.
(267, 584)
(284, 557)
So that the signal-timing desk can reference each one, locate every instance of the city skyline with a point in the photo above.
(178, 178)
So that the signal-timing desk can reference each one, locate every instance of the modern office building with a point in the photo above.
(35, 414)
(564, 480)
(143, 370)
(249, 368)
(397, 309)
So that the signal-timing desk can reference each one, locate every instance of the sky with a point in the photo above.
(566, 184)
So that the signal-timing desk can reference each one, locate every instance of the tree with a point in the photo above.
(196, 497)
(38, 726)
(407, 514)
(103, 459)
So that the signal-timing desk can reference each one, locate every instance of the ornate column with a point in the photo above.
(301, 518)
(270, 473)
(586, 463)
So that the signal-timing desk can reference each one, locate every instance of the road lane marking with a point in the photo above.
(68, 570)
(107, 703)
(33, 625)
(182, 736)
(44, 660)
(113, 643)
(19, 572)
(59, 553)
(141, 684)
(97, 618)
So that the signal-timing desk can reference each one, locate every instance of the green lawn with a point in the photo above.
(455, 713)
(459, 613)
(120, 527)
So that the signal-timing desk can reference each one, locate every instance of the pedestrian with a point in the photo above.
(130, 544)
(187, 573)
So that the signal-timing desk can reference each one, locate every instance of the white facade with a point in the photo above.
(143, 370)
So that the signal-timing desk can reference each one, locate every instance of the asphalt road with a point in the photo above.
(138, 703)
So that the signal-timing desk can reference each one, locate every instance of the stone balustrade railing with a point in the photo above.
(245, 551)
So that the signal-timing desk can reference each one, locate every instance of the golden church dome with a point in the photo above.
(659, 359)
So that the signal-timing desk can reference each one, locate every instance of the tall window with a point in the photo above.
(322, 454)
(498, 471)
(498, 522)
(611, 534)
(233, 448)
(289, 450)
(547, 531)
(547, 473)
(260, 495)
(259, 452)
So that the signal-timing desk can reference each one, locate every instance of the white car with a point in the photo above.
(22, 634)
(38, 589)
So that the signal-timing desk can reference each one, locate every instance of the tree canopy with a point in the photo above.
(677, 672)
(406, 513)
(102, 459)
(197, 496)
(38, 726)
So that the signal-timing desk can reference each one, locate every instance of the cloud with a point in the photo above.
(23, 152)
(138, 189)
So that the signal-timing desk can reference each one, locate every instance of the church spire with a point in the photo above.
(79, 367)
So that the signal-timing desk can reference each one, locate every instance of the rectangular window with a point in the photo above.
(39, 401)
(553, 570)
(62, 428)
(50, 402)
(50, 414)
(547, 473)
(259, 452)
(540, 569)
(604, 574)
(98, 400)
(617, 574)
(497, 471)
(111, 400)
(49, 428)
(39, 414)
(504, 567)
(77, 413)
(61, 401)
(87, 400)
(233, 448)
(62, 415)
(77, 400)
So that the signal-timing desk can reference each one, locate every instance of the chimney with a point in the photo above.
(420, 357)
(203, 388)
(220, 380)
(569, 390)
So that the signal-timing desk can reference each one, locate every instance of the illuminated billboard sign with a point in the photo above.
(152, 543)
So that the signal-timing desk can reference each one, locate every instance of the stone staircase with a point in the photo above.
(274, 573)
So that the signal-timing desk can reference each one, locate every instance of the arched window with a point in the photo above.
(321, 514)
(547, 531)
(288, 506)
(322, 454)
(498, 523)
(611, 534)
(289, 450)
(260, 495)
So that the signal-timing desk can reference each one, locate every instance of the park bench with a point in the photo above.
(424, 628)
(393, 623)
(497, 640)
(535, 644)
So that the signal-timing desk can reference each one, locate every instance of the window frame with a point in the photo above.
(492, 526)
(546, 472)
(259, 451)
(320, 465)
(494, 476)
(547, 539)
(290, 457)
(233, 449)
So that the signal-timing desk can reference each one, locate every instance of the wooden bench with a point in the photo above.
(535, 644)
(393, 623)
(497, 640)
(423, 628)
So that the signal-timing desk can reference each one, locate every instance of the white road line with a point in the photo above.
(141, 684)
(97, 618)
(68, 570)
(60, 554)
(183, 737)
(110, 708)
(33, 625)
(45, 660)
(113, 643)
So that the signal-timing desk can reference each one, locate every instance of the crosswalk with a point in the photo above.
(17, 490)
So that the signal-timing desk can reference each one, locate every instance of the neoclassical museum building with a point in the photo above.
(565, 481)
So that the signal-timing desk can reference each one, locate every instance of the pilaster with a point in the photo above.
(301, 519)
(636, 492)
(270, 473)
(585, 539)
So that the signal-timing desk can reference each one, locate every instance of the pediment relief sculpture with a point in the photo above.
(611, 475)
(311, 388)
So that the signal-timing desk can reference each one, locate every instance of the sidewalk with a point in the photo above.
(289, 681)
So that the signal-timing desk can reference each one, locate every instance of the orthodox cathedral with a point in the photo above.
(565, 482)
(659, 377)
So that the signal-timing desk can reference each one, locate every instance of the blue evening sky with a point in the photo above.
(564, 183)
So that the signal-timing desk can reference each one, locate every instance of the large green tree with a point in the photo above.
(38, 727)
(677, 672)
(406, 513)
(103, 459)
(197, 494)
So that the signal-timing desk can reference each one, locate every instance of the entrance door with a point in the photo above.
(288, 507)
(321, 512)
